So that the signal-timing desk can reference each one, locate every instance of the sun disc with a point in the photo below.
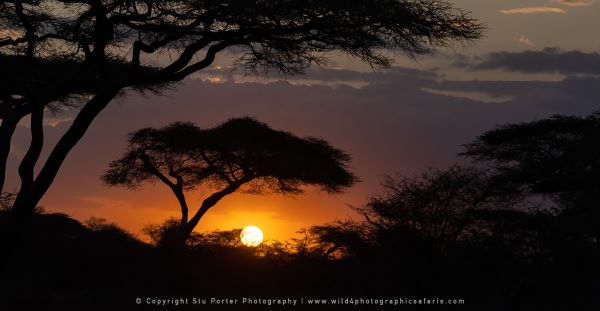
(251, 236)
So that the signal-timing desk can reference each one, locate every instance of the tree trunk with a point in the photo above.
(26, 169)
(25, 203)
(7, 129)
(207, 204)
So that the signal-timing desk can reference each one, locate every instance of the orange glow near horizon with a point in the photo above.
(279, 216)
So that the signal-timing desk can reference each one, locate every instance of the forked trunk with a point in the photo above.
(26, 201)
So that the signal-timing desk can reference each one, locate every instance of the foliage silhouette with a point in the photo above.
(444, 232)
(332, 241)
(464, 223)
(556, 158)
(80, 54)
(439, 204)
(167, 233)
(552, 163)
(240, 154)
(6, 200)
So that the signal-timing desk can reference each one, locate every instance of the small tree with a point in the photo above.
(240, 153)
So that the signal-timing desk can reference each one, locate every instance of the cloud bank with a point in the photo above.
(547, 60)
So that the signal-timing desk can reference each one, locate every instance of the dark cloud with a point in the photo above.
(548, 60)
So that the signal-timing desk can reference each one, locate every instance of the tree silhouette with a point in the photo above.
(555, 158)
(57, 54)
(440, 206)
(239, 153)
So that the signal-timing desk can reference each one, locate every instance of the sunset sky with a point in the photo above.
(538, 58)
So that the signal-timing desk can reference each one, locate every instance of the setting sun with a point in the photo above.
(251, 236)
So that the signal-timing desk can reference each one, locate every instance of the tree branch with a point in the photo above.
(212, 200)
(176, 188)
(7, 129)
(148, 165)
(212, 166)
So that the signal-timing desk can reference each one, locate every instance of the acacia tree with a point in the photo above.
(556, 158)
(240, 153)
(83, 53)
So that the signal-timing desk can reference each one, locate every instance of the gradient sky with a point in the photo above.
(538, 58)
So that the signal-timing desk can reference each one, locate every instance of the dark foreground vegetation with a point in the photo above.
(517, 229)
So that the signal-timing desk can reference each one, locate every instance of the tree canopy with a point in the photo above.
(240, 154)
(92, 40)
(556, 157)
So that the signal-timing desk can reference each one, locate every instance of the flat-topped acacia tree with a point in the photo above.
(240, 154)
(81, 54)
